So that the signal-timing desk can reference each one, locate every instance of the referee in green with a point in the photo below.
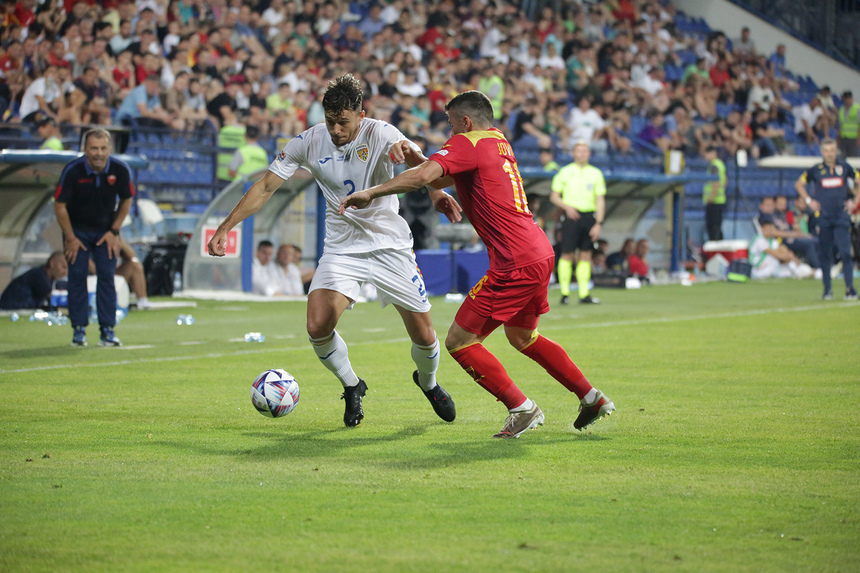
(579, 190)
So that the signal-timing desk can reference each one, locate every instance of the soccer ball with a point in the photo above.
(275, 393)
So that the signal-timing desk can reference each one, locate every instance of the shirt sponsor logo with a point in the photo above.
(363, 151)
(82, 181)
(442, 152)
(111, 179)
(830, 182)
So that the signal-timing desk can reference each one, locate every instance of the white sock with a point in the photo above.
(427, 361)
(527, 405)
(335, 356)
(590, 397)
(143, 301)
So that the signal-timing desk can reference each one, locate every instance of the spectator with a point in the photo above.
(530, 121)
(49, 133)
(142, 106)
(654, 132)
(776, 62)
(798, 241)
(33, 288)
(769, 259)
(767, 140)
(289, 277)
(849, 125)
(264, 278)
(95, 90)
(586, 124)
(638, 266)
(619, 260)
(809, 121)
(744, 47)
(41, 97)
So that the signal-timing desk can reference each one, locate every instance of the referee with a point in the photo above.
(92, 200)
(579, 190)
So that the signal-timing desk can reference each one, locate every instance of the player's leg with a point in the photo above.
(842, 239)
(567, 259)
(583, 265)
(464, 342)
(78, 295)
(825, 246)
(324, 310)
(398, 281)
(425, 354)
(105, 294)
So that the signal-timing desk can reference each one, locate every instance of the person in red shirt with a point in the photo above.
(638, 266)
(479, 161)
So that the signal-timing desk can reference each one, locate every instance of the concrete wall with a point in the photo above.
(799, 57)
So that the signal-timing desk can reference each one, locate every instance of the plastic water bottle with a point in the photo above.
(14, 316)
(184, 319)
(57, 318)
(177, 284)
(255, 337)
(120, 314)
(39, 316)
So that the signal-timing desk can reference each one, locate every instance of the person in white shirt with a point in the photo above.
(289, 275)
(40, 94)
(771, 259)
(808, 120)
(350, 152)
(587, 125)
(264, 278)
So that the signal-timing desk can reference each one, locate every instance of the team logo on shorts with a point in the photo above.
(362, 151)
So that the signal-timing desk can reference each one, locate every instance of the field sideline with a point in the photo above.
(734, 447)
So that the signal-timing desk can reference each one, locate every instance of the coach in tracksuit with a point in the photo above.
(92, 199)
(833, 186)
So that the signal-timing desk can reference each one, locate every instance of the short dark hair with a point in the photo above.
(252, 131)
(343, 93)
(265, 243)
(473, 104)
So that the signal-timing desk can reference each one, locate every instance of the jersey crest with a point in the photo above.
(363, 151)
(839, 170)
(111, 179)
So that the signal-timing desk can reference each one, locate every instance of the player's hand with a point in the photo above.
(217, 244)
(71, 247)
(358, 200)
(112, 242)
(447, 205)
(398, 151)
(815, 205)
(571, 213)
(594, 232)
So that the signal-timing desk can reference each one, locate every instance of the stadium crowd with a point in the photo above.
(615, 73)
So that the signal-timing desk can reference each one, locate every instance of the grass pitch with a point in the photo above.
(734, 447)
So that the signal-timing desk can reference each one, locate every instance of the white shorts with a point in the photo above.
(393, 272)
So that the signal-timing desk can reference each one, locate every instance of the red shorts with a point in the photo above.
(516, 298)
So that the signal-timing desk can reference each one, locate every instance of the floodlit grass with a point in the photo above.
(734, 447)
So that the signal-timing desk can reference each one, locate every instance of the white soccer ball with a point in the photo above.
(275, 393)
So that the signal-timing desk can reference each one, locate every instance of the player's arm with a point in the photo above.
(71, 244)
(599, 213)
(405, 151)
(409, 180)
(256, 197)
(800, 187)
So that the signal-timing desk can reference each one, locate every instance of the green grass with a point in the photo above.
(734, 447)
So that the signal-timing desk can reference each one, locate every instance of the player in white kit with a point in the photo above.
(348, 153)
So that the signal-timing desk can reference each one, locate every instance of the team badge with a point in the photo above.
(839, 170)
(362, 151)
(111, 179)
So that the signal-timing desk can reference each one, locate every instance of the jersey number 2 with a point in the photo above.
(351, 186)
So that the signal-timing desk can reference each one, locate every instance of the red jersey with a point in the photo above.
(491, 192)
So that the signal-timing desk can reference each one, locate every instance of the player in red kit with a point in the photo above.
(480, 162)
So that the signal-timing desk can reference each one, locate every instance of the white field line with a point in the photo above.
(608, 324)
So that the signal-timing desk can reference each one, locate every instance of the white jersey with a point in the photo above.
(340, 171)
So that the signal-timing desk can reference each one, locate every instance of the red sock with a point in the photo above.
(486, 370)
(555, 360)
